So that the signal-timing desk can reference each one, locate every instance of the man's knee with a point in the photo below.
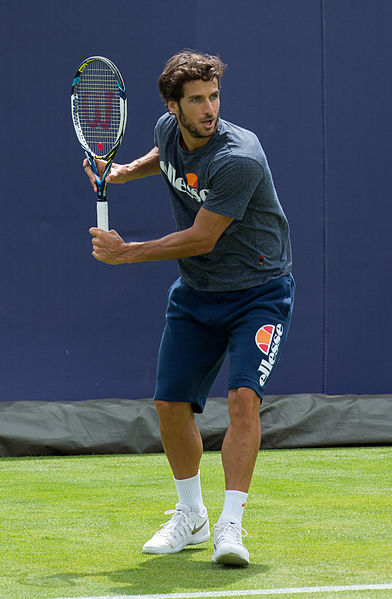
(244, 406)
(173, 412)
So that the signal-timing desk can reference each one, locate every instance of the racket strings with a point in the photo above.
(98, 107)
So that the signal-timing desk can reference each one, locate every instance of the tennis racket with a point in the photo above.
(99, 114)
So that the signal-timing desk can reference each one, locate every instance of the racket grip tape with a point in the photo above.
(102, 215)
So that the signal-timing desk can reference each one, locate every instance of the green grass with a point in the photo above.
(74, 526)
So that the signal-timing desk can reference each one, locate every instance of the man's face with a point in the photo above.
(197, 112)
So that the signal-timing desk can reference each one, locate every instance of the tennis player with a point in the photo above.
(234, 294)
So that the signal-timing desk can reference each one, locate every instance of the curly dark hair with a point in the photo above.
(188, 65)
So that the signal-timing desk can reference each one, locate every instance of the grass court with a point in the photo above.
(75, 526)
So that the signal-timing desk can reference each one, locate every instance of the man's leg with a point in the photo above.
(239, 452)
(181, 438)
(242, 440)
(255, 345)
(183, 446)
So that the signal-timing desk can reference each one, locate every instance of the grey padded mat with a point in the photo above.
(32, 428)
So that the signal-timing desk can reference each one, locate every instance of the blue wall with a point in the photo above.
(311, 78)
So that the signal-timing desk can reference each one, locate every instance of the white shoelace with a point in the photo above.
(176, 526)
(229, 532)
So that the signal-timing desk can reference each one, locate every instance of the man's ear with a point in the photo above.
(173, 107)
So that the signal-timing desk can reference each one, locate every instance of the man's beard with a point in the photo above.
(192, 130)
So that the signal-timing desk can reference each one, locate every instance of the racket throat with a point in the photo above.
(101, 195)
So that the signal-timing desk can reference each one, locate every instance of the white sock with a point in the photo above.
(189, 493)
(233, 507)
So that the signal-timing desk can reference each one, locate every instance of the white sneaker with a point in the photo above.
(228, 545)
(184, 528)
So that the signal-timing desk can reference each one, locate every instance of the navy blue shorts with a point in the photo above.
(202, 326)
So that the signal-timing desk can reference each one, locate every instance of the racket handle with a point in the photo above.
(102, 215)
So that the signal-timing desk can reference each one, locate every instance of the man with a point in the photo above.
(235, 292)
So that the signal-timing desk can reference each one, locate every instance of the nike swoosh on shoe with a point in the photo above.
(197, 528)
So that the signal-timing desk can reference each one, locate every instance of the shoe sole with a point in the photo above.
(164, 551)
(231, 558)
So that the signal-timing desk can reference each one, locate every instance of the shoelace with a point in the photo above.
(228, 531)
(176, 525)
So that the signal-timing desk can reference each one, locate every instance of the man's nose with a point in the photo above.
(208, 108)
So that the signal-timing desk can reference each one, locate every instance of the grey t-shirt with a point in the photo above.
(230, 176)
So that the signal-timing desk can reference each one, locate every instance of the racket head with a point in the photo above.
(99, 107)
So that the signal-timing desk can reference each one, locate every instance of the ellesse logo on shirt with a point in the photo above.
(188, 186)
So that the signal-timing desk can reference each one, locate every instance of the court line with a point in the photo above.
(249, 593)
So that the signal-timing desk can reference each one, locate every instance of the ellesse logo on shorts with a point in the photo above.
(268, 339)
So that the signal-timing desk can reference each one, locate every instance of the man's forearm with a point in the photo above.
(181, 244)
(198, 239)
(145, 166)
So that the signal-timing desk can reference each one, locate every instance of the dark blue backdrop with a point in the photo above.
(311, 78)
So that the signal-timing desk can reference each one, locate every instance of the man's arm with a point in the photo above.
(122, 173)
(198, 239)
